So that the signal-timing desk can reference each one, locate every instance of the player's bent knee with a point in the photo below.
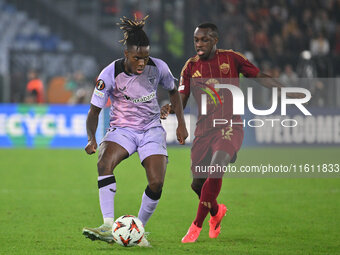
(104, 168)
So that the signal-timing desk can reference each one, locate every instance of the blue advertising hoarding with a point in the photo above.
(49, 126)
(64, 126)
(322, 128)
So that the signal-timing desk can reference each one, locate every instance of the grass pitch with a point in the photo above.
(47, 196)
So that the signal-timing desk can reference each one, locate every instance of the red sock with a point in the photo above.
(210, 190)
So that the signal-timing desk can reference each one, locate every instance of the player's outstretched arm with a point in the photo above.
(91, 128)
(176, 106)
(269, 82)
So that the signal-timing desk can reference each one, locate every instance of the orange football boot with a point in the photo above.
(215, 221)
(192, 234)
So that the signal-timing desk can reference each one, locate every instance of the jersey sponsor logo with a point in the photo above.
(212, 81)
(100, 85)
(225, 68)
(197, 74)
(210, 90)
(99, 93)
(142, 99)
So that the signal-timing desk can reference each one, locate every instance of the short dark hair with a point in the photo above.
(133, 32)
(213, 27)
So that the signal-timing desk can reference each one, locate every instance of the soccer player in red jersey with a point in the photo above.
(213, 145)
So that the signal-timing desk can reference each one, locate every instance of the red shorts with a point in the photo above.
(228, 139)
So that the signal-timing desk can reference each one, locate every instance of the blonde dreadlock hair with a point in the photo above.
(133, 32)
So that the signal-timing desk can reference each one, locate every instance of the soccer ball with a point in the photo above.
(128, 230)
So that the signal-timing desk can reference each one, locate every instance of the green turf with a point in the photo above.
(47, 196)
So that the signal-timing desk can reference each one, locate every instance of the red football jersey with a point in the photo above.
(199, 76)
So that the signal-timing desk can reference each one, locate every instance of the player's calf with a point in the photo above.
(149, 203)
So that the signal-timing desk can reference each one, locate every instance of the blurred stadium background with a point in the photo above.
(51, 52)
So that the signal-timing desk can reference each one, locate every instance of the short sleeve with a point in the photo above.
(184, 83)
(166, 79)
(104, 85)
(245, 66)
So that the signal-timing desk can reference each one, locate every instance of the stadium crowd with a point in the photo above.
(276, 32)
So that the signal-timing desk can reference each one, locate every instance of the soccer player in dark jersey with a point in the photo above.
(131, 83)
(213, 145)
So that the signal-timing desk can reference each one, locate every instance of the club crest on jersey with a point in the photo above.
(100, 85)
(152, 80)
(225, 68)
